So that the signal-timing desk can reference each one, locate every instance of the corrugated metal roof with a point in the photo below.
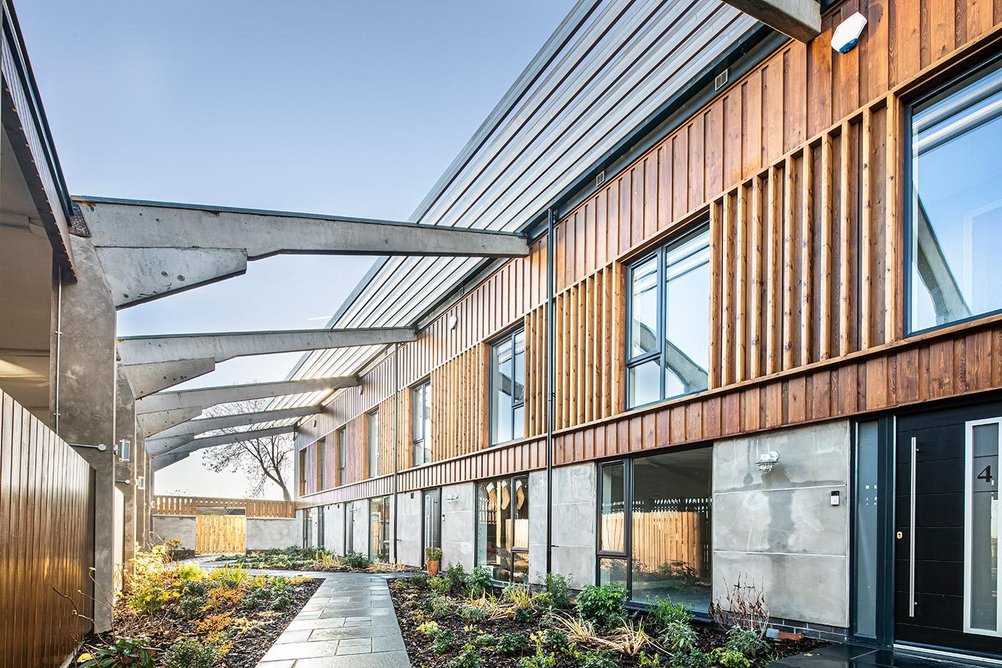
(607, 67)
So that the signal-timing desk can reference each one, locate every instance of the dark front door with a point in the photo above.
(946, 529)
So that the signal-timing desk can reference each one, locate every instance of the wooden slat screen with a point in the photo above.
(186, 506)
(46, 542)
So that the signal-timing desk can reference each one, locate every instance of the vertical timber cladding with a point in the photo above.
(796, 164)
(46, 544)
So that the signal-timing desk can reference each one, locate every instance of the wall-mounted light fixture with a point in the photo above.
(125, 449)
(453, 321)
(767, 461)
(845, 37)
(100, 447)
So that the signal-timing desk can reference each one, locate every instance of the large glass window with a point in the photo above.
(669, 298)
(956, 202)
(421, 423)
(342, 454)
(503, 527)
(372, 423)
(654, 533)
(508, 388)
(379, 528)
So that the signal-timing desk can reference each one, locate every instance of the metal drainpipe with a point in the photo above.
(396, 440)
(59, 346)
(551, 216)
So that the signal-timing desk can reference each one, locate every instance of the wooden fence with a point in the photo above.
(186, 506)
(220, 534)
(670, 540)
(46, 542)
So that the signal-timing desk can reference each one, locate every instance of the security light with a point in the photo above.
(767, 461)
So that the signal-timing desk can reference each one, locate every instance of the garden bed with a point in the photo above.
(180, 616)
(308, 559)
(460, 620)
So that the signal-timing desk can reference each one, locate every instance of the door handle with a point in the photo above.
(900, 535)
(911, 531)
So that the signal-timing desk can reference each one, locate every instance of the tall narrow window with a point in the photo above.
(955, 210)
(342, 454)
(668, 334)
(373, 426)
(421, 423)
(379, 528)
(302, 472)
(508, 388)
(321, 464)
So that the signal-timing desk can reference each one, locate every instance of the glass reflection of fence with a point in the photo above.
(667, 541)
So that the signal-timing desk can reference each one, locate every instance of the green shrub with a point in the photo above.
(418, 581)
(554, 640)
(442, 642)
(663, 612)
(695, 658)
(439, 607)
(510, 644)
(189, 572)
(728, 658)
(468, 658)
(122, 652)
(484, 640)
(744, 641)
(604, 606)
(191, 654)
(356, 561)
(439, 585)
(650, 661)
(471, 614)
(680, 637)
(455, 576)
(596, 659)
(230, 577)
(429, 628)
(540, 659)
(558, 591)
(478, 582)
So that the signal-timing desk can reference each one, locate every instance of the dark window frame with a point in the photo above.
(515, 405)
(302, 471)
(946, 85)
(321, 462)
(659, 353)
(511, 508)
(342, 454)
(425, 440)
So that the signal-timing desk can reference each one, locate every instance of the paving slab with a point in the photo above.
(349, 622)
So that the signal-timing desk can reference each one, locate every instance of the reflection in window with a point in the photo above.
(668, 345)
(421, 423)
(956, 202)
(379, 528)
(503, 527)
(508, 388)
(654, 533)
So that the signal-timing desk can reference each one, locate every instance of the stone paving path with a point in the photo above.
(348, 623)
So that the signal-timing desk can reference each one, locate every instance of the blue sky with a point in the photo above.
(352, 108)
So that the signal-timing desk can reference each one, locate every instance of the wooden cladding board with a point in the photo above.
(459, 411)
(220, 534)
(798, 167)
(46, 542)
(186, 506)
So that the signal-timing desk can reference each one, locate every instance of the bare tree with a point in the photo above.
(261, 459)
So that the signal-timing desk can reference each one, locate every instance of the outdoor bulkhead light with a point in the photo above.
(767, 461)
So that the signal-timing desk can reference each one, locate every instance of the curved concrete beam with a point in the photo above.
(181, 434)
(210, 396)
(164, 460)
(146, 379)
(224, 346)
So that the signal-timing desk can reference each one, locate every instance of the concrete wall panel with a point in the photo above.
(334, 528)
(272, 533)
(779, 528)
(458, 516)
(409, 509)
(574, 490)
(166, 527)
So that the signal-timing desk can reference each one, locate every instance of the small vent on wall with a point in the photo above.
(720, 81)
(600, 178)
(140, 482)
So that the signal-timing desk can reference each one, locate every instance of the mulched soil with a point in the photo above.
(247, 648)
(410, 603)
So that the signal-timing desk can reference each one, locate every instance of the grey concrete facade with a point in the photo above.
(409, 524)
(334, 528)
(779, 528)
(537, 527)
(166, 527)
(273, 533)
(458, 524)
(574, 494)
(360, 526)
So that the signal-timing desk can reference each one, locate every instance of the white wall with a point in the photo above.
(458, 529)
(410, 511)
(273, 533)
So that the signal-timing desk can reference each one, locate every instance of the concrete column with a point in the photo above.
(125, 472)
(537, 527)
(360, 526)
(334, 529)
(574, 498)
(459, 512)
(409, 523)
(86, 401)
(779, 528)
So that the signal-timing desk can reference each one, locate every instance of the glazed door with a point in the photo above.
(947, 527)
(432, 535)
